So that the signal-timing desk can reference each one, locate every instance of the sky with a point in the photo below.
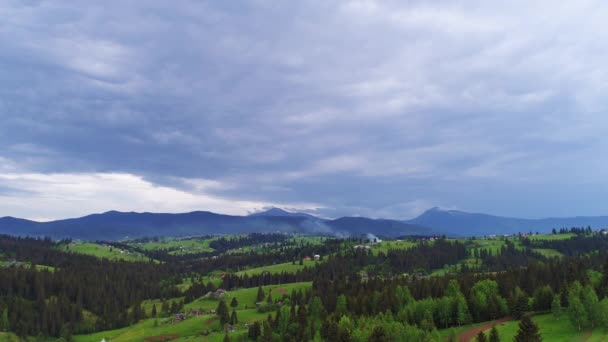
(372, 108)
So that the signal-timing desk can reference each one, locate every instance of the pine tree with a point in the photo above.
(528, 331)
(234, 303)
(481, 337)
(153, 314)
(222, 312)
(233, 319)
(267, 332)
(254, 331)
(260, 296)
(494, 335)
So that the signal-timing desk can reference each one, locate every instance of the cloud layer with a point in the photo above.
(356, 107)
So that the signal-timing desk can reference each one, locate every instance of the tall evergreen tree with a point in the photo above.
(233, 318)
(494, 335)
(528, 331)
(260, 295)
(254, 331)
(222, 312)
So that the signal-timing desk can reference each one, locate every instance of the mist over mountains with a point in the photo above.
(115, 225)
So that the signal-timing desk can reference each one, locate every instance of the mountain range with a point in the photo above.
(115, 225)
(460, 223)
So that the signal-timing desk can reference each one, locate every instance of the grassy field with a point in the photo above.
(384, 246)
(286, 267)
(246, 297)
(548, 252)
(100, 251)
(553, 330)
(191, 328)
(551, 236)
(181, 247)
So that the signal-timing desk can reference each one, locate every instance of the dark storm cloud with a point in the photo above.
(359, 107)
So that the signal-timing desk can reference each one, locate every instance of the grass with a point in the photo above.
(247, 297)
(191, 328)
(286, 267)
(385, 246)
(548, 252)
(9, 337)
(188, 246)
(551, 236)
(553, 330)
(101, 251)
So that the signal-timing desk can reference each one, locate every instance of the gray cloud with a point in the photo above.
(361, 107)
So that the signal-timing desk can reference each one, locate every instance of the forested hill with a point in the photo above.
(114, 225)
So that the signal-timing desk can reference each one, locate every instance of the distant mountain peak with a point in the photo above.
(280, 212)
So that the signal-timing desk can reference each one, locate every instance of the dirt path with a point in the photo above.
(470, 334)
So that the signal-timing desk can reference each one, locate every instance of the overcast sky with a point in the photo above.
(381, 109)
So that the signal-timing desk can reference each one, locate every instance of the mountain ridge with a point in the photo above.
(116, 225)
(456, 222)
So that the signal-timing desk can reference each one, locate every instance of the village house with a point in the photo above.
(179, 317)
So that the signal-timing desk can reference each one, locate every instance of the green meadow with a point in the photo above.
(553, 329)
(192, 328)
(100, 251)
(178, 246)
(286, 267)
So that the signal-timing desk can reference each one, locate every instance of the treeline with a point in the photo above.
(577, 245)
(51, 303)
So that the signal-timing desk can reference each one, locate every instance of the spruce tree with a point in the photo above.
(528, 331)
(494, 335)
(234, 303)
(222, 312)
(233, 319)
(254, 331)
(260, 296)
